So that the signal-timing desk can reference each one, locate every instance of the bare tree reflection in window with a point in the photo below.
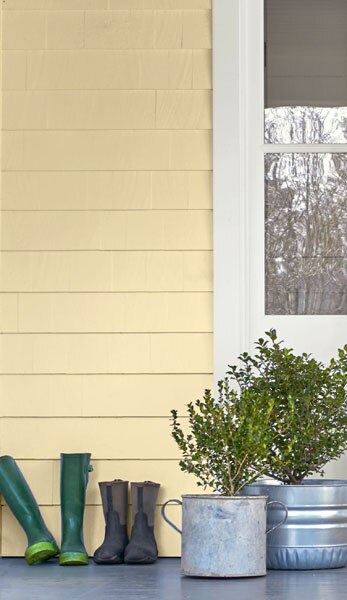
(306, 233)
(305, 125)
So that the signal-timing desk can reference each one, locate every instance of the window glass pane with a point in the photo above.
(305, 125)
(306, 71)
(306, 233)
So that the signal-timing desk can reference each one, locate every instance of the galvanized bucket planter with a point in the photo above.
(223, 536)
(315, 535)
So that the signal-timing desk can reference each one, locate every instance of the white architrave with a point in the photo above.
(233, 39)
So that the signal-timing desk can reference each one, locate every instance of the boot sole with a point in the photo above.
(41, 552)
(115, 561)
(73, 558)
(142, 561)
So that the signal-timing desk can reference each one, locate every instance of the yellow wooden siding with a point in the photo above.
(173, 271)
(99, 395)
(102, 230)
(106, 238)
(116, 313)
(135, 109)
(136, 438)
(106, 190)
(105, 4)
(107, 70)
(106, 353)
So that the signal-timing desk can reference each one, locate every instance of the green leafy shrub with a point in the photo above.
(228, 440)
(310, 410)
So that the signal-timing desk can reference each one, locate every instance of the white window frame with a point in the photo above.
(238, 157)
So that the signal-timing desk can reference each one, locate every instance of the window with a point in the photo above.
(306, 193)
(280, 182)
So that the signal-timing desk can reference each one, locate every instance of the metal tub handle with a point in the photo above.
(283, 520)
(163, 514)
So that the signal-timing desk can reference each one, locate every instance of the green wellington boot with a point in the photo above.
(74, 472)
(19, 497)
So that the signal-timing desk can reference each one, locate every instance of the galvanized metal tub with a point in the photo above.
(315, 534)
(222, 536)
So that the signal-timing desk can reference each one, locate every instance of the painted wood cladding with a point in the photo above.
(106, 238)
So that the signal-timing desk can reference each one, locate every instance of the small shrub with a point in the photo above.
(310, 410)
(227, 444)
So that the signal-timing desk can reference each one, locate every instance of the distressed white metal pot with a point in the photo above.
(223, 536)
(315, 535)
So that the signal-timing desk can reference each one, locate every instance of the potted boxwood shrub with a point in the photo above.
(309, 422)
(225, 445)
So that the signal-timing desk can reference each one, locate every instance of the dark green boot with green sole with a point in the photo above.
(74, 472)
(18, 495)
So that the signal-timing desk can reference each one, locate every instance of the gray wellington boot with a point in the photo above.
(114, 495)
(142, 548)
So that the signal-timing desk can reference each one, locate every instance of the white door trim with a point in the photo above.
(237, 44)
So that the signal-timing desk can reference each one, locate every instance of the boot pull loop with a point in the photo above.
(140, 499)
(109, 499)
(163, 514)
(90, 468)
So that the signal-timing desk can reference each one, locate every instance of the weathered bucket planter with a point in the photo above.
(224, 536)
(315, 534)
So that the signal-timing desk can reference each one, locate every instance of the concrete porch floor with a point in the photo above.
(161, 581)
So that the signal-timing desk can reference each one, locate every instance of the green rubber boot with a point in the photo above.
(19, 497)
(74, 471)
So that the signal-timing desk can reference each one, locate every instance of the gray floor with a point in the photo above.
(161, 581)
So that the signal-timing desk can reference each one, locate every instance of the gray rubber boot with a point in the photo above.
(142, 548)
(114, 495)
